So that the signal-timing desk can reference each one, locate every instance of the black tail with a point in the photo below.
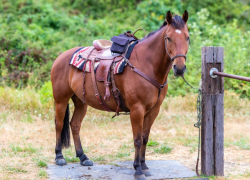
(65, 134)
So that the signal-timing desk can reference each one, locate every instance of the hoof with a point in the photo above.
(87, 163)
(147, 172)
(140, 177)
(60, 162)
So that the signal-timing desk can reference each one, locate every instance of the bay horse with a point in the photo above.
(154, 55)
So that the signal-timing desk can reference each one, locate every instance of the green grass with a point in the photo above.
(152, 143)
(122, 155)
(27, 118)
(243, 143)
(71, 159)
(17, 148)
(163, 149)
(40, 161)
(42, 173)
(97, 158)
(15, 169)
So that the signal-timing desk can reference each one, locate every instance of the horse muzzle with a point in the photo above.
(179, 71)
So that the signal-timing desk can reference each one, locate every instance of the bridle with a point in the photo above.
(178, 55)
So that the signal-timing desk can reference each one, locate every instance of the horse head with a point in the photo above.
(177, 41)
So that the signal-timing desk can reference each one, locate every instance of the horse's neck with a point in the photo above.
(152, 57)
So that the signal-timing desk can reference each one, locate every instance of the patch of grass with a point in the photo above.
(125, 146)
(122, 155)
(71, 159)
(163, 149)
(29, 149)
(114, 164)
(98, 158)
(42, 173)
(152, 143)
(27, 118)
(70, 155)
(17, 148)
(15, 169)
(41, 162)
(203, 176)
(243, 143)
(246, 174)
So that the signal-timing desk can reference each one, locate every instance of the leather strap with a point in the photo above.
(138, 30)
(149, 79)
(83, 84)
(83, 157)
(97, 94)
(59, 156)
(84, 73)
(117, 95)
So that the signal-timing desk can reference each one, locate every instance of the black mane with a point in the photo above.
(177, 22)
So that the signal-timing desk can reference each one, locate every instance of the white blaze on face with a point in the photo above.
(178, 31)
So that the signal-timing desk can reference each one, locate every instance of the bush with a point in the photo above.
(33, 33)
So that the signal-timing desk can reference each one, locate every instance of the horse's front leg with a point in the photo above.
(137, 117)
(148, 122)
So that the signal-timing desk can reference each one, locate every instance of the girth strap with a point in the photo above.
(117, 95)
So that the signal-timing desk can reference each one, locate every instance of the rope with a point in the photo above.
(198, 123)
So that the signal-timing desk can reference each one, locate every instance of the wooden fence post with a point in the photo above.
(212, 129)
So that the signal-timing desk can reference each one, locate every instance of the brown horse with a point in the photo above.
(154, 55)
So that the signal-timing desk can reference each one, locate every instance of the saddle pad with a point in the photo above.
(79, 62)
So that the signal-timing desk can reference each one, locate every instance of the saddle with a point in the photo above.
(100, 52)
(107, 53)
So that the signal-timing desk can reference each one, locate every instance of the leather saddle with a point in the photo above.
(100, 51)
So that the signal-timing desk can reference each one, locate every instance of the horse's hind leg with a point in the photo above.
(62, 131)
(79, 113)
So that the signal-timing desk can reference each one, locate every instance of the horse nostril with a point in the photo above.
(174, 67)
(184, 68)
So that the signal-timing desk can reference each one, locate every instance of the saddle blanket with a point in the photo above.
(78, 61)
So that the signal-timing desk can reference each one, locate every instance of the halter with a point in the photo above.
(178, 55)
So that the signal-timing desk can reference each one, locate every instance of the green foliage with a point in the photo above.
(46, 92)
(33, 33)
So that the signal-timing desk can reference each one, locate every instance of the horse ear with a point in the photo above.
(169, 17)
(185, 16)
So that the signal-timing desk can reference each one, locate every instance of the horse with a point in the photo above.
(154, 55)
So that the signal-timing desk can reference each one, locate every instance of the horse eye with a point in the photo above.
(169, 39)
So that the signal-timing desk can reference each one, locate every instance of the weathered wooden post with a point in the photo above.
(212, 129)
